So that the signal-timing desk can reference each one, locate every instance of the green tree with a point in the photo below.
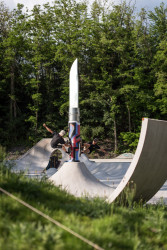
(5, 16)
(158, 31)
(160, 87)
(13, 56)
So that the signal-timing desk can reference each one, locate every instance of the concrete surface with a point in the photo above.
(76, 179)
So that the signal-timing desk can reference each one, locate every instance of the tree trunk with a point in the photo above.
(115, 137)
(129, 118)
(37, 103)
(13, 111)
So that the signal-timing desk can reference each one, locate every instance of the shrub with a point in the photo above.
(130, 140)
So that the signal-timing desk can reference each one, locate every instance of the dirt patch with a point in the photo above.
(15, 152)
(106, 150)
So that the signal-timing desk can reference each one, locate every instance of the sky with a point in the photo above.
(148, 4)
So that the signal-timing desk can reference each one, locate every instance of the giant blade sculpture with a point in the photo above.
(74, 114)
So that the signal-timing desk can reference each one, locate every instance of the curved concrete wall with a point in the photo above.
(148, 169)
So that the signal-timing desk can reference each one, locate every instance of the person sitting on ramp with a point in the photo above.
(56, 142)
(91, 146)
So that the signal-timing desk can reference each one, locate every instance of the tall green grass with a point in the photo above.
(111, 226)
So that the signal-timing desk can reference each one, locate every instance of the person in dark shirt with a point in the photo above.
(91, 146)
(57, 140)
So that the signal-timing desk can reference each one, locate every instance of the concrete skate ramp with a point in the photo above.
(148, 170)
(36, 159)
(76, 179)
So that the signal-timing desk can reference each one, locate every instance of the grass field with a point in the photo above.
(110, 226)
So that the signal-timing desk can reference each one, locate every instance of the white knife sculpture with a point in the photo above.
(74, 114)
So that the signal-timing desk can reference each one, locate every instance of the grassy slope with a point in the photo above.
(109, 226)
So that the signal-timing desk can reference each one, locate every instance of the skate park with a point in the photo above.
(115, 196)
(108, 177)
(145, 174)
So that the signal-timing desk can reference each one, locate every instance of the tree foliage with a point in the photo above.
(122, 67)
